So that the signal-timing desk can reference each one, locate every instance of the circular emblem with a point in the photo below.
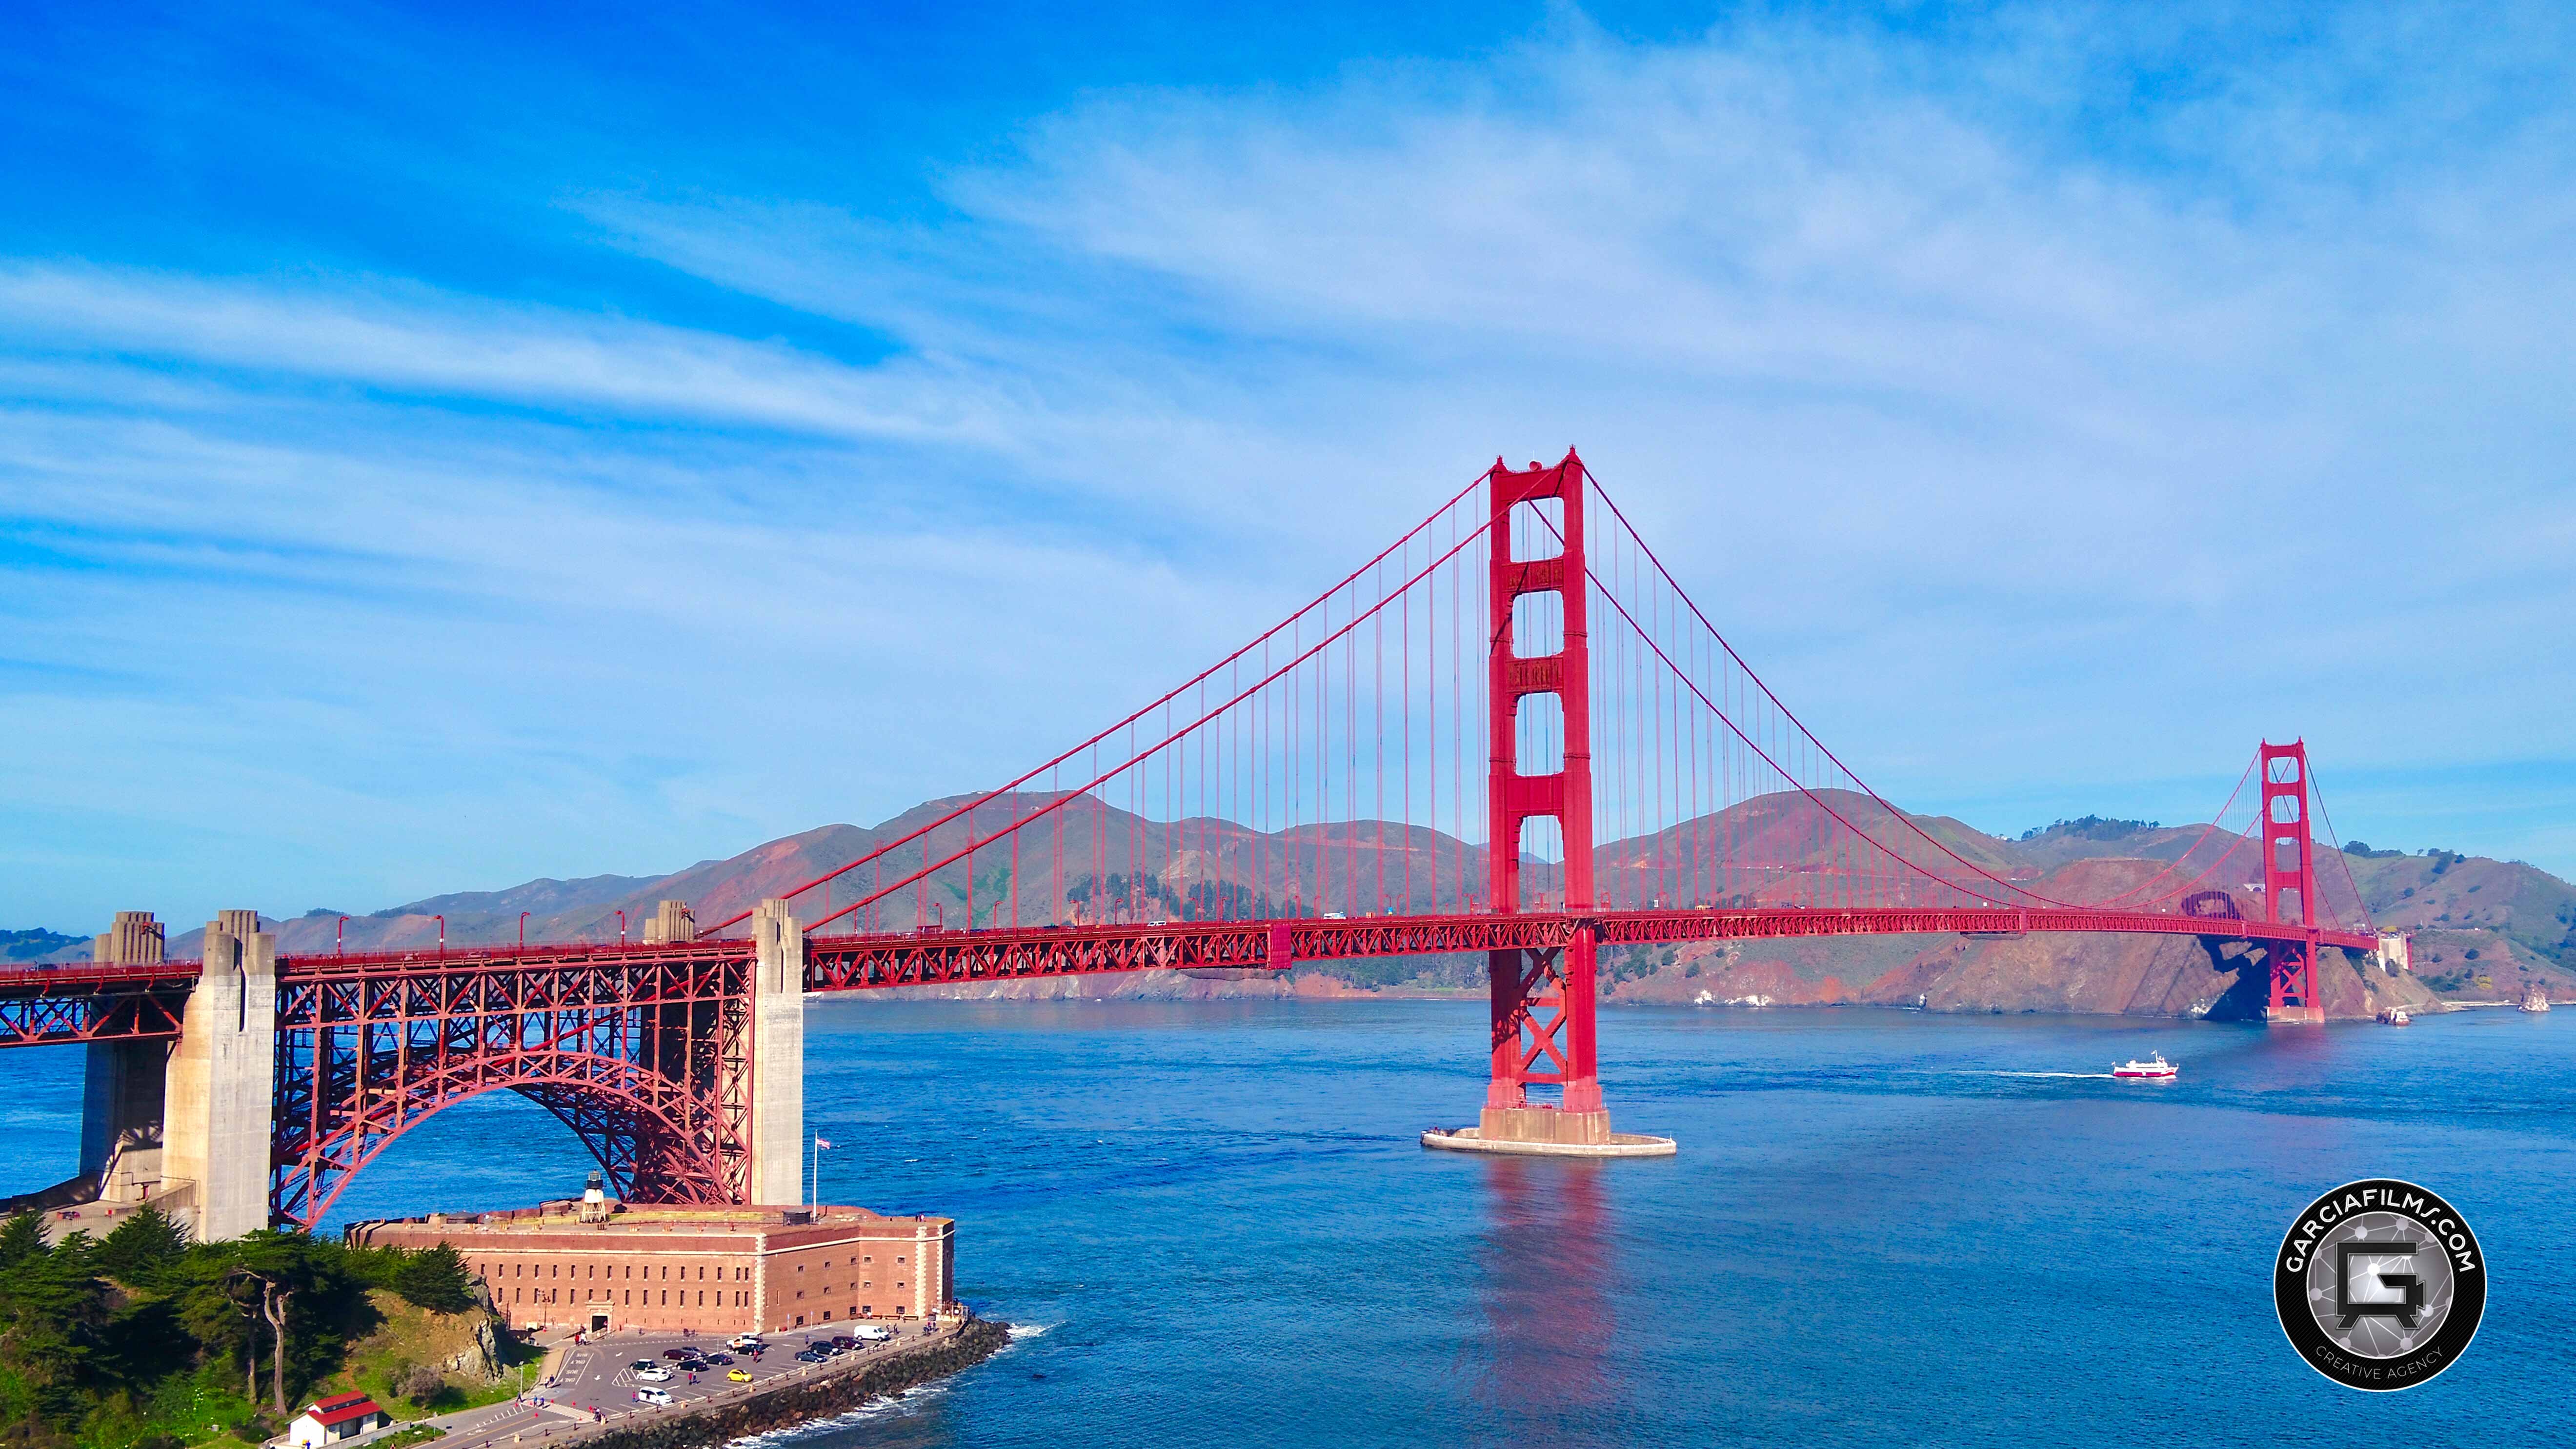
(2380, 1284)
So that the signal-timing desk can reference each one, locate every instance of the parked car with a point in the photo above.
(641, 1364)
(872, 1333)
(743, 1342)
(653, 1373)
(677, 1354)
(843, 1343)
(814, 1355)
(719, 1359)
(740, 1376)
(652, 1396)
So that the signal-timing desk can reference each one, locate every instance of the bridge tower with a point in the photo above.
(2289, 881)
(1541, 999)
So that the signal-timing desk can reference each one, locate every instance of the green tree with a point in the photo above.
(143, 1248)
(281, 1266)
(435, 1279)
(55, 1306)
(220, 1309)
(21, 1238)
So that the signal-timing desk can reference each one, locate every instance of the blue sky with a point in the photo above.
(441, 447)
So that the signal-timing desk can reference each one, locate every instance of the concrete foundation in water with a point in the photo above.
(1547, 1132)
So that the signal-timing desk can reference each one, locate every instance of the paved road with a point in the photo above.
(594, 1380)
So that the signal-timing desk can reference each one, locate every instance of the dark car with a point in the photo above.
(844, 1342)
(814, 1355)
(719, 1359)
(677, 1354)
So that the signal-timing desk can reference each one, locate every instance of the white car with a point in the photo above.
(654, 1375)
(871, 1332)
(653, 1396)
(743, 1342)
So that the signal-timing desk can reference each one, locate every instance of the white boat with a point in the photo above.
(2152, 1071)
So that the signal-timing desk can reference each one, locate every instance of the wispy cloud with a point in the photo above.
(409, 339)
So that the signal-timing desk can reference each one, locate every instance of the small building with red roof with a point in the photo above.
(339, 1417)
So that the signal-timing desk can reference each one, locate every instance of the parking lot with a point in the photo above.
(598, 1377)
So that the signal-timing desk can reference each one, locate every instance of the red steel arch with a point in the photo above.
(614, 1107)
(645, 1054)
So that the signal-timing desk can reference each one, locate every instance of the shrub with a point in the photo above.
(421, 1383)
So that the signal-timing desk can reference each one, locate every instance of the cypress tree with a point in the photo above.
(435, 1279)
(143, 1247)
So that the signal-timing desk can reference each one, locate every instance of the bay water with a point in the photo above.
(1215, 1225)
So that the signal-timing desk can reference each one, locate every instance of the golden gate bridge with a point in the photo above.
(1519, 668)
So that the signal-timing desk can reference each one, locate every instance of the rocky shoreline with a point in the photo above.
(787, 1403)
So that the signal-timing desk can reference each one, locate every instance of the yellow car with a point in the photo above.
(740, 1376)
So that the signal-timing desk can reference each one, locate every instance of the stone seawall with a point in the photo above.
(795, 1401)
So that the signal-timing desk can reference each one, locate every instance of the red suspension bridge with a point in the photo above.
(1422, 760)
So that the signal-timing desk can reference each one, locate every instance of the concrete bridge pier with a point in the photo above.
(777, 1056)
(122, 1084)
(222, 1083)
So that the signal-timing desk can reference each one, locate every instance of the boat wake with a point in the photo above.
(2068, 1076)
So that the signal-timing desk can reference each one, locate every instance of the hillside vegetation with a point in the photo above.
(40, 945)
(143, 1340)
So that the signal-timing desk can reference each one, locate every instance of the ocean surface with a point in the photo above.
(1216, 1225)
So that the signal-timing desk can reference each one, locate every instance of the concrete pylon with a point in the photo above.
(670, 922)
(222, 1086)
(135, 940)
(121, 1086)
(777, 1056)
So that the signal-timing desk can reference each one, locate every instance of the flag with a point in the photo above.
(822, 1141)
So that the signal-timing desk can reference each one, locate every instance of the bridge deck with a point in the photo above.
(82, 1001)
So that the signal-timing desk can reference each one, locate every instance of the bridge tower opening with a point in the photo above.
(2289, 882)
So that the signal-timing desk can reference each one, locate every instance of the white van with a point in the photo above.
(871, 1332)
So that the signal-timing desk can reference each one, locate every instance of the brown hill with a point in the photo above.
(2486, 929)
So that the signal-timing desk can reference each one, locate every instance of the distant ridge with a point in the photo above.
(2485, 929)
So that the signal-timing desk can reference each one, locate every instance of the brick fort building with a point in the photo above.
(601, 1266)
